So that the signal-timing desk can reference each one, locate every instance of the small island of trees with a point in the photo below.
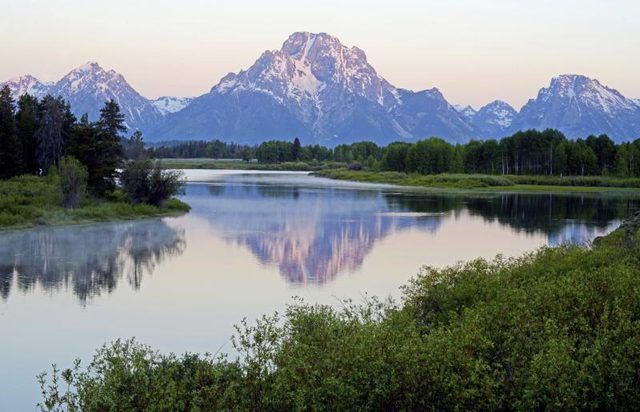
(56, 169)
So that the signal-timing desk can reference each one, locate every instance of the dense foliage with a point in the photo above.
(529, 152)
(214, 149)
(145, 182)
(73, 181)
(36, 135)
(27, 201)
(555, 329)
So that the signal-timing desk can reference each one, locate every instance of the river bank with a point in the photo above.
(479, 182)
(29, 201)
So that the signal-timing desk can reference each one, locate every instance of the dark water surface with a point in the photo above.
(251, 242)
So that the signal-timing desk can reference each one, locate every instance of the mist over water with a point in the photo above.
(250, 243)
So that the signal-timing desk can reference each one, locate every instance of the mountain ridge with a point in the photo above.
(322, 91)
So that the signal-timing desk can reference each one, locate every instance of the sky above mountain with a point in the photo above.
(473, 51)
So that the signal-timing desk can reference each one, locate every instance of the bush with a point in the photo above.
(556, 329)
(72, 177)
(144, 182)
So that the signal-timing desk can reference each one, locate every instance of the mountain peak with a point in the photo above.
(27, 84)
(89, 66)
(578, 106)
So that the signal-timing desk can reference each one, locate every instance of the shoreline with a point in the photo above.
(32, 201)
(467, 183)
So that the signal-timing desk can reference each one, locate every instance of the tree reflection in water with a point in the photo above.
(90, 260)
(313, 234)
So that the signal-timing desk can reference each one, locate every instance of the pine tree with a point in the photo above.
(50, 138)
(82, 145)
(109, 151)
(295, 150)
(10, 163)
(27, 124)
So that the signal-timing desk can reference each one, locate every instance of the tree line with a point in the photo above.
(529, 152)
(39, 136)
(36, 133)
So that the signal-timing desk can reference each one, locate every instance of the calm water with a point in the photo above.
(251, 242)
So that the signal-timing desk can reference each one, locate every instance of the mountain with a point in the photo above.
(494, 119)
(171, 104)
(315, 88)
(322, 91)
(579, 106)
(467, 111)
(27, 84)
(87, 87)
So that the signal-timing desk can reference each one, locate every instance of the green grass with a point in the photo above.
(488, 182)
(556, 329)
(28, 201)
(242, 165)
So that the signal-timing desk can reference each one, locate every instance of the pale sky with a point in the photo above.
(474, 51)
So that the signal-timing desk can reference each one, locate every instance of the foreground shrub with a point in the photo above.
(145, 182)
(556, 329)
(72, 177)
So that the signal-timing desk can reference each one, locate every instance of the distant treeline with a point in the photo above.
(529, 152)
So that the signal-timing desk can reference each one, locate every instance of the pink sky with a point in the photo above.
(473, 51)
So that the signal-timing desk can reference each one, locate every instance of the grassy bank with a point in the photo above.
(242, 165)
(493, 182)
(555, 329)
(28, 201)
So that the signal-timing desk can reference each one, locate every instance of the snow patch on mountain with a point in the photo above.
(27, 84)
(579, 106)
(171, 104)
(467, 111)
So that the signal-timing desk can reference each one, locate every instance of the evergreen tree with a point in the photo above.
(109, 151)
(134, 146)
(27, 124)
(82, 145)
(10, 162)
(50, 134)
(295, 150)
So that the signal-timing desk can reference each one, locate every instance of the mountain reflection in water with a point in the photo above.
(314, 234)
(88, 259)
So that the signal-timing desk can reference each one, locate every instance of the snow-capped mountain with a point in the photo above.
(579, 106)
(467, 111)
(87, 87)
(27, 84)
(322, 91)
(318, 89)
(494, 119)
(171, 104)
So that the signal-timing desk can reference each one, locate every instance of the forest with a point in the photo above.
(529, 152)
(57, 169)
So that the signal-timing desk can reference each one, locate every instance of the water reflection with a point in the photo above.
(90, 260)
(314, 234)
(574, 218)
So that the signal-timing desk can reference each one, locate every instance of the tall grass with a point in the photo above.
(27, 201)
(476, 181)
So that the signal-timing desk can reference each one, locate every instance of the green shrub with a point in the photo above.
(145, 183)
(72, 178)
(555, 329)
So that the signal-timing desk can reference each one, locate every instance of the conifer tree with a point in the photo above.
(10, 163)
(50, 135)
(27, 124)
(109, 151)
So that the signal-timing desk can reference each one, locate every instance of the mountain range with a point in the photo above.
(322, 91)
